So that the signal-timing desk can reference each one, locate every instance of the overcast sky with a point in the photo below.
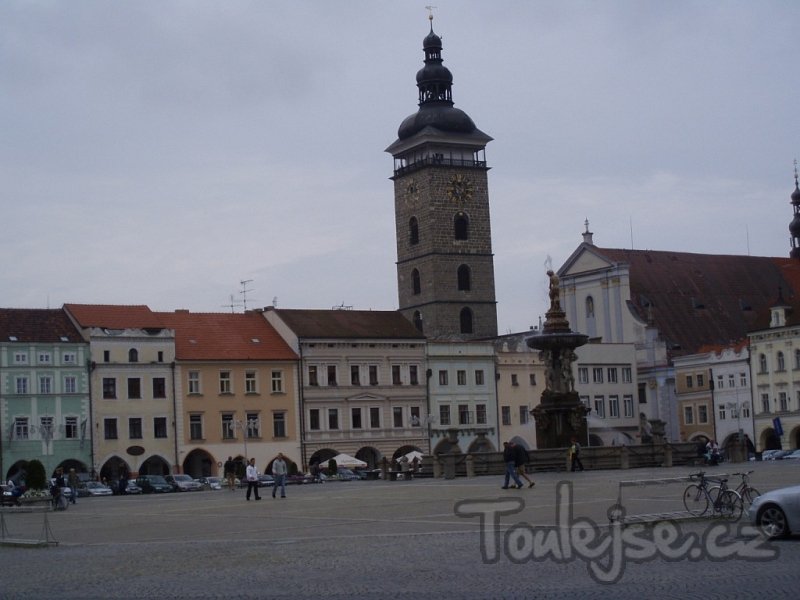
(160, 152)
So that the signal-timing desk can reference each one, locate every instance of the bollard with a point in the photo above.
(470, 462)
(667, 455)
(624, 458)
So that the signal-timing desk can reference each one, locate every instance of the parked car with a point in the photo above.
(266, 481)
(95, 488)
(153, 484)
(777, 513)
(791, 455)
(212, 483)
(774, 454)
(183, 483)
(346, 475)
(133, 488)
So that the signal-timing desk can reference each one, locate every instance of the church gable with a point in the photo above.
(584, 259)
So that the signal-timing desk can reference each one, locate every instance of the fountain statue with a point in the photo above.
(560, 414)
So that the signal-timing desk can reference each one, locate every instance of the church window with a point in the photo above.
(464, 283)
(461, 223)
(589, 307)
(413, 231)
(466, 320)
(415, 283)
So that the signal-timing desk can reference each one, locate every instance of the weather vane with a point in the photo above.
(430, 13)
(795, 172)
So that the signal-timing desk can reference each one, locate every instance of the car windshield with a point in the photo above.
(155, 479)
(182, 478)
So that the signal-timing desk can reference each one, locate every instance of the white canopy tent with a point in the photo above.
(346, 461)
(412, 455)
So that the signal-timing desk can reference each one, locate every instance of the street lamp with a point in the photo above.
(736, 410)
(245, 427)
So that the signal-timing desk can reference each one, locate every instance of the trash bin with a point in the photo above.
(449, 466)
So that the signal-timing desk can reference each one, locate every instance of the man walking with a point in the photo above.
(279, 474)
(511, 468)
(252, 479)
(520, 460)
(575, 455)
(230, 473)
(73, 481)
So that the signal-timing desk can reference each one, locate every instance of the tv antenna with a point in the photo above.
(244, 291)
(233, 304)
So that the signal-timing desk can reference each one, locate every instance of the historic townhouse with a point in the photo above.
(520, 382)
(363, 382)
(44, 392)
(236, 391)
(132, 388)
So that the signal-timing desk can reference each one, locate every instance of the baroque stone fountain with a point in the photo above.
(560, 414)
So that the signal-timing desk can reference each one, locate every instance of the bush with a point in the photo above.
(36, 477)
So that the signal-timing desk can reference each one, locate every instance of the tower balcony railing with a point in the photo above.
(438, 160)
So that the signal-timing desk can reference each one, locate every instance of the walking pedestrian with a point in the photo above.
(279, 475)
(230, 473)
(511, 468)
(73, 481)
(575, 455)
(520, 460)
(252, 479)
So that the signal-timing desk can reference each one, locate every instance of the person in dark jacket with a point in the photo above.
(509, 457)
(520, 460)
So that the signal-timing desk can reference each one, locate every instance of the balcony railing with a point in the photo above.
(438, 160)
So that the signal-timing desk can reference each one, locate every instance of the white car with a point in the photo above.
(777, 513)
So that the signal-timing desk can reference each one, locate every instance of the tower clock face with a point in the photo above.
(460, 188)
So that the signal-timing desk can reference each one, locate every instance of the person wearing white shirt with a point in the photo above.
(252, 479)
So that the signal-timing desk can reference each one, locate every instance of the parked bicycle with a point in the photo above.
(724, 502)
(745, 490)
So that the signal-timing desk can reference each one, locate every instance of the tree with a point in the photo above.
(36, 478)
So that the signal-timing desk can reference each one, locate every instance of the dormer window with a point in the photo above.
(778, 317)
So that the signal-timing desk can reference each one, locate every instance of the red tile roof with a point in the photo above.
(113, 316)
(37, 325)
(225, 336)
(705, 299)
(349, 324)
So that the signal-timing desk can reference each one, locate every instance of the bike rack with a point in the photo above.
(46, 537)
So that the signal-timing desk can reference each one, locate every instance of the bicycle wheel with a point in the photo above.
(695, 500)
(749, 494)
(730, 505)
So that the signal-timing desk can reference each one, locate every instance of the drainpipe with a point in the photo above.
(301, 407)
(177, 468)
(90, 366)
(713, 404)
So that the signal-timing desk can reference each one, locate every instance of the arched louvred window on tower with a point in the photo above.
(461, 226)
(464, 279)
(418, 321)
(413, 231)
(416, 286)
(466, 320)
(591, 324)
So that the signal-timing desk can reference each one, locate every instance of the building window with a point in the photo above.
(160, 356)
(514, 380)
(612, 374)
(133, 355)
(783, 401)
(722, 412)
(21, 428)
(797, 359)
(700, 380)
(313, 419)
(416, 284)
(331, 374)
(134, 387)
(532, 378)
(159, 387)
(480, 414)
(396, 375)
(135, 428)
(743, 379)
(413, 374)
(20, 358)
(253, 425)
(461, 226)
(479, 378)
(228, 432)
(415, 418)
(461, 377)
(464, 283)
(600, 406)
(277, 382)
(627, 402)
(702, 414)
(583, 375)
(413, 231)
(355, 375)
(731, 380)
(688, 415)
(110, 429)
(781, 362)
(109, 388)
(44, 358)
(523, 415)
(505, 415)
(279, 424)
(313, 378)
(397, 416)
(613, 407)
(465, 319)
(70, 358)
(160, 427)
(196, 427)
(417, 320)
(106, 356)
(746, 410)
(194, 382)
(21, 385)
(45, 385)
(765, 403)
(762, 363)
(689, 381)
(597, 375)
(373, 375)
(374, 417)
(355, 418)
(224, 382)
(720, 382)
(333, 418)
(444, 414)
(250, 382)
(442, 377)
(627, 375)
(71, 428)
(463, 414)
(70, 384)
